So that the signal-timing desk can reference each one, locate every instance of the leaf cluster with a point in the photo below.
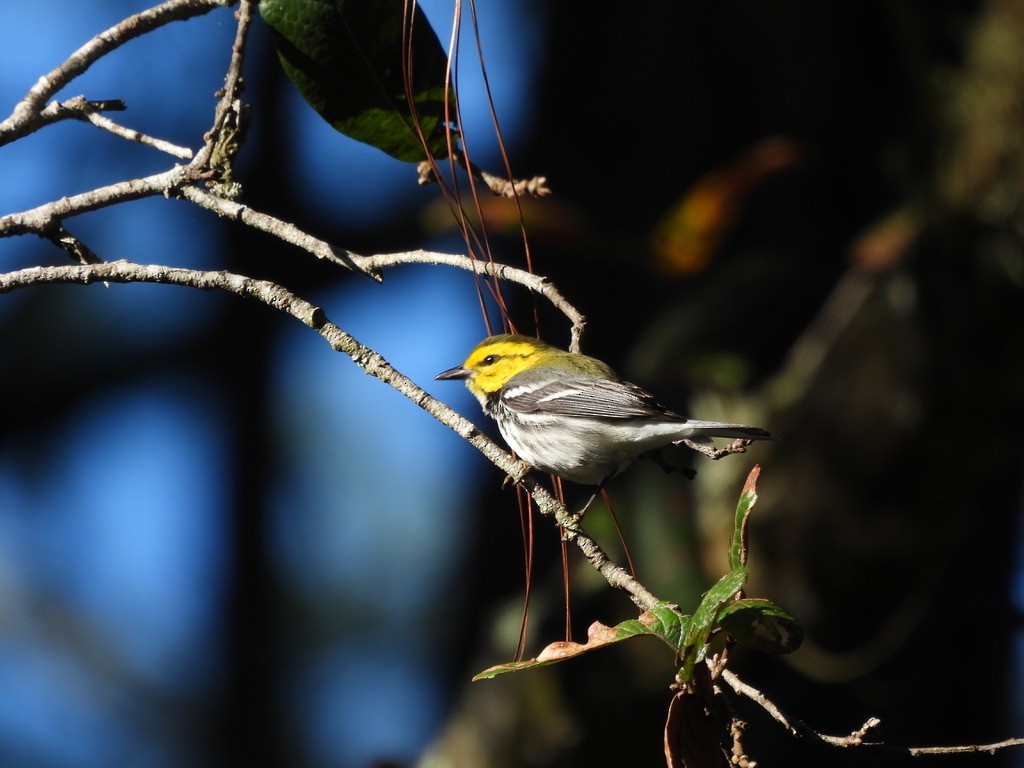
(723, 611)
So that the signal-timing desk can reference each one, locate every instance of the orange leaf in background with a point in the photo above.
(689, 235)
(554, 222)
(886, 242)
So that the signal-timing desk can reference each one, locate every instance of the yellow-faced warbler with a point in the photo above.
(570, 414)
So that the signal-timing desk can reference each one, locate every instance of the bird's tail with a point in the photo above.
(703, 431)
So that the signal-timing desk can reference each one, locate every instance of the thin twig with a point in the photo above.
(739, 445)
(78, 250)
(990, 749)
(25, 118)
(536, 186)
(130, 134)
(858, 737)
(536, 283)
(374, 265)
(45, 218)
(223, 140)
(81, 108)
(217, 151)
(77, 108)
(279, 228)
(794, 726)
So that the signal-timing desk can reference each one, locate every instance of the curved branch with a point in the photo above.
(280, 298)
(212, 162)
(374, 265)
(536, 283)
(45, 219)
(282, 230)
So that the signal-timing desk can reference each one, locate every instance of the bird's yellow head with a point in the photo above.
(497, 359)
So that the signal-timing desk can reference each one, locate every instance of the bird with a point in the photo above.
(570, 414)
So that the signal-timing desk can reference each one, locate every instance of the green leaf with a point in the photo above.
(748, 497)
(761, 624)
(662, 621)
(346, 60)
(705, 618)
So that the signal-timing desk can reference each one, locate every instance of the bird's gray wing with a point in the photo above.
(583, 397)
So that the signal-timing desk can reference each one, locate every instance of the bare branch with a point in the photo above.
(130, 134)
(536, 283)
(796, 727)
(280, 229)
(26, 116)
(739, 445)
(44, 219)
(615, 575)
(81, 108)
(499, 185)
(78, 108)
(858, 737)
(281, 299)
(374, 265)
(213, 161)
(223, 140)
(990, 749)
(78, 250)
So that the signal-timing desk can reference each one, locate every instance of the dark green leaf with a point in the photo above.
(713, 600)
(761, 624)
(748, 497)
(346, 60)
(704, 619)
(663, 621)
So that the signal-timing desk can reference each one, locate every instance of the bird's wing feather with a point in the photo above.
(586, 397)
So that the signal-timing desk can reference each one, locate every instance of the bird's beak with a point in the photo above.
(458, 372)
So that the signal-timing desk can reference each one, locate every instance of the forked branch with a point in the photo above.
(27, 115)
(858, 737)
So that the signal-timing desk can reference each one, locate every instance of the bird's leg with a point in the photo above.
(597, 492)
(657, 458)
(577, 517)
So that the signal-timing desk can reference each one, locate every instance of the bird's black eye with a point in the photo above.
(490, 360)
